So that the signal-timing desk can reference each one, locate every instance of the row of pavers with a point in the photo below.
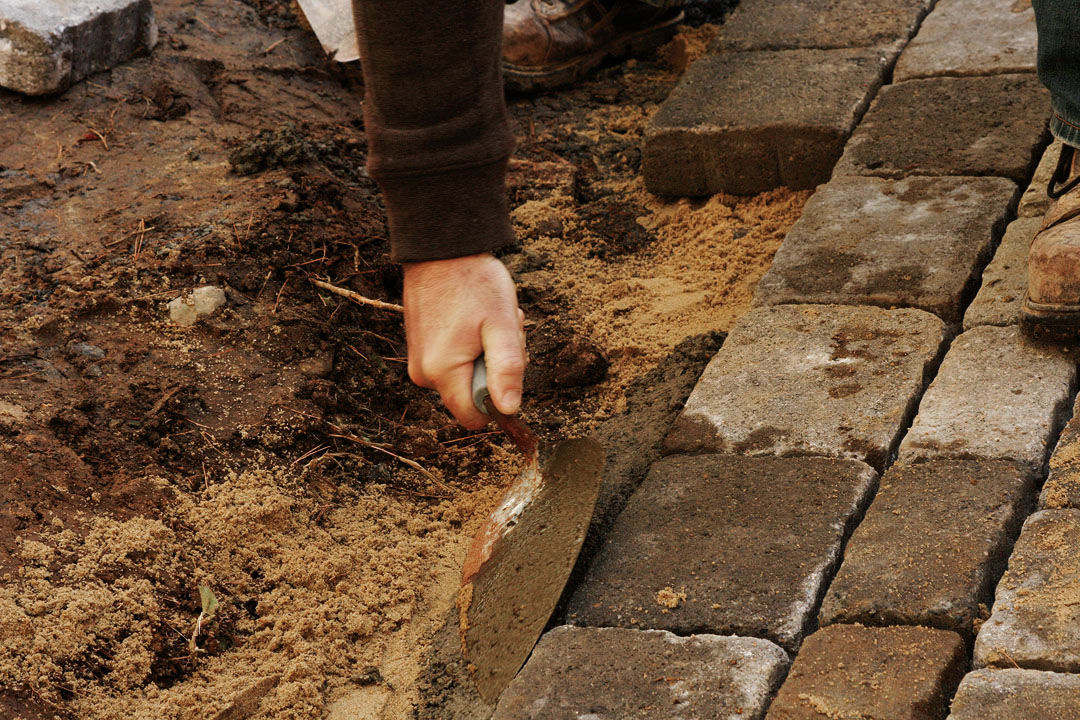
(729, 553)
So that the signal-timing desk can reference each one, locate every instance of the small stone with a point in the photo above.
(945, 45)
(932, 545)
(87, 350)
(725, 544)
(996, 396)
(952, 126)
(1004, 281)
(47, 46)
(581, 673)
(93, 371)
(1035, 622)
(918, 242)
(849, 671)
(1062, 488)
(202, 302)
(1012, 694)
(1035, 202)
(841, 381)
(318, 365)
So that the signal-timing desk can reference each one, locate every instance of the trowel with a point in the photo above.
(521, 558)
(332, 22)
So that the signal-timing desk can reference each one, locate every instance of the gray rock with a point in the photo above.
(949, 44)
(613, 673)
(1016, 695)
(725, 544)
(1034, 621)
(847, 671)
(202, 302)
(952, 126)
(996, 396)
(932, 545)
(1004, 281)
(1062, 488)
(747, 122)
(918, 242)
(787, 24)
(1035, 202)
(87, 350)
(47, 46)
(833, 380)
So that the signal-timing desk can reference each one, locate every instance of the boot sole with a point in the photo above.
(1052, 322)
(522, 79)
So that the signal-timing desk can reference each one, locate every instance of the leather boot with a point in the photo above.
(549, 43)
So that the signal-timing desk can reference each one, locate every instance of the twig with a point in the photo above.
(273, 45)
(207, 26)
(357, 297)
(411, 463)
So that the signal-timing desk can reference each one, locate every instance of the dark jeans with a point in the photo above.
(1058, 23)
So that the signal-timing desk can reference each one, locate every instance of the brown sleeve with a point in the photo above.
(438, 135)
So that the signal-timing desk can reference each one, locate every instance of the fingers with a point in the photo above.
(504, 353)
(455, 387)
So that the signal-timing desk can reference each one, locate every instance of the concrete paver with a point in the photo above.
(849, 671)
(971, 37)
(1004, 281)
(932, 545)
(747, 122)
(1035, 202)
(917, 242)
(613, 673)
(786, 24)
(951, 126)
(47, 46)
(708, 543)
(1035, 622)
(1062, 488)
(1016, 695)
(996, 396)
(841, 381)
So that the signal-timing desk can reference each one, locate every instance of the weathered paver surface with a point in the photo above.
(723, 129)
(996, 396)
(47, 46)
(1035, 202)
(971, 37)
(1004, 281)
(1035, 621)
(848, 671)
(835, 380)
(1062, 488)
(725, 544)
(992, 125)
(613, 673)
(785, 24)
(917, 242)
(1016, 695)
(932, 545)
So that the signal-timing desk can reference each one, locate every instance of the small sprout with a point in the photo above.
(209, 607)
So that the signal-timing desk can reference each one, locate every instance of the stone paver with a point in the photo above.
(46, 46)
(917, 242)
(849, 671)
(932, 545)
(1035, 202)
(1004, 281)
(786, 24)
(951, 126)
(747, 122)
(614, 673)
(996, 396)
(1062, 488)
(971, 37)
(1035, 622)
(1016, 695)
(829, 380)
(725, 544)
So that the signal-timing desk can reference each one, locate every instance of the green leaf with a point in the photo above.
(209, 601)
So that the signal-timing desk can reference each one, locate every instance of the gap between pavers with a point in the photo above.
(840, 381)
(1016, 695)
(610, 673)
(849, 671)
(932, 545)
(1035, 622)
(725, 544)
(971, 37)
(1062, 488)
(1004, 282)
(918, 242)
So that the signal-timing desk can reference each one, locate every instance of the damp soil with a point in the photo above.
(275, 453)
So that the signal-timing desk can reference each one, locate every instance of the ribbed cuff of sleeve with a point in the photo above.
(447, 214)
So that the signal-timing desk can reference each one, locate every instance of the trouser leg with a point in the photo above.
(1058, 23)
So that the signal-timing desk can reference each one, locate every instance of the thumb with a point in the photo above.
(504, 354)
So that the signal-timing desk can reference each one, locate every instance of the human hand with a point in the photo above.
(455, 310)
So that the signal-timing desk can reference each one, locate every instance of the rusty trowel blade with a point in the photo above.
(507, 599)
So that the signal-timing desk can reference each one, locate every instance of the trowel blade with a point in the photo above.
(332, 21)
(507, 598)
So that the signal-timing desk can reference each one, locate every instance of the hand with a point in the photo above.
(454, 310)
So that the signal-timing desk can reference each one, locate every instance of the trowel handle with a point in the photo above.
(479, 384)
(518, 431)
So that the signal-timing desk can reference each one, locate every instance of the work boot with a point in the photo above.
(1051, 308)
(549, 43)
